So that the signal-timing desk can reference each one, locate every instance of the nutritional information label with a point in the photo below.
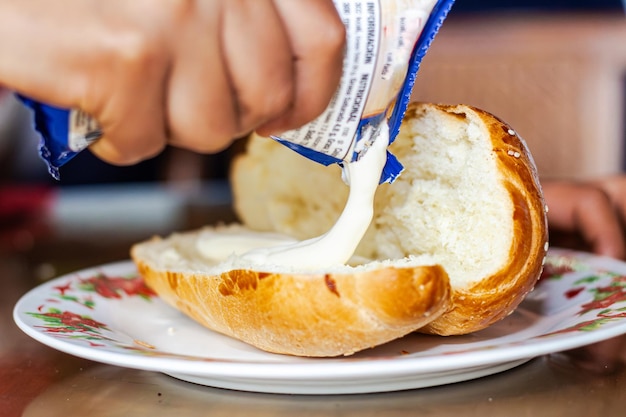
(333, 132)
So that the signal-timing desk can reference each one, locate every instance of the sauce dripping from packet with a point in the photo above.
(337, 245)
(353, 132)
(386, 41)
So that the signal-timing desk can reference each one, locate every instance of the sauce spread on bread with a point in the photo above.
(385, 42)
(336, 246)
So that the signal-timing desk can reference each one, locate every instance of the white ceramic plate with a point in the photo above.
(106, 314)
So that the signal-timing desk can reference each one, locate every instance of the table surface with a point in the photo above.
(36, 380)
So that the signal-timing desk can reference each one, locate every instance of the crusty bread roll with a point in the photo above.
(469, 200)
(467, 212)
(334, 312)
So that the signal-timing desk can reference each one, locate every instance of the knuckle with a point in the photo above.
(275, 102)
(332, 38)
(308, 107)
(133, 50)
(121, 147)
(266, 105)
(202, 135)
(112, 154)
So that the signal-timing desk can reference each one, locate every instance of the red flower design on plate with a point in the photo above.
(80, 290)
(67, 322)
(605, 297)
(114, 287)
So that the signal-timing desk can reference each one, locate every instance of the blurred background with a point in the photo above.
(555, 71)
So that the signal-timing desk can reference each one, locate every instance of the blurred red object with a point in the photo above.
(23, 215)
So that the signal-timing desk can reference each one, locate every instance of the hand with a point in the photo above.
(615, 188)
(582, 215)
(195, 74)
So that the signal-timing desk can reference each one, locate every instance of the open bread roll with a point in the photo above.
(321, 313)
(469, 200)
(467, 212)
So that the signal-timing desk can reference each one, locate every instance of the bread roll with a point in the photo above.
(456, 243)
(320, 313)
(468, 200)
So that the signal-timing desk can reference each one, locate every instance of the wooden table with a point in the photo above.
(36, 380)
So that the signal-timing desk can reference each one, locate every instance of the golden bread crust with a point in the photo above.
(287, 203)
(320, 315)
(497, 295)
(331, 314)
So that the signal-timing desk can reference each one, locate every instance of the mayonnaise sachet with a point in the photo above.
(386, 41)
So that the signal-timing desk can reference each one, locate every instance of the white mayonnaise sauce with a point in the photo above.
(336, 246)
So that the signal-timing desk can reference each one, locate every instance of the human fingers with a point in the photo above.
(233, 71)
(35, 53)
(615, 187)
(587, 211)
(260, 61)
(199, 106)
(128, 98)
(317, 38)
(102, 62)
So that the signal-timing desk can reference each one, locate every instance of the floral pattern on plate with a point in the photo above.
(67, 324)
(108, 314)
(606, 288)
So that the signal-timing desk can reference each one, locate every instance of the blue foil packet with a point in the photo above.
(386, 42)
(63, 133)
